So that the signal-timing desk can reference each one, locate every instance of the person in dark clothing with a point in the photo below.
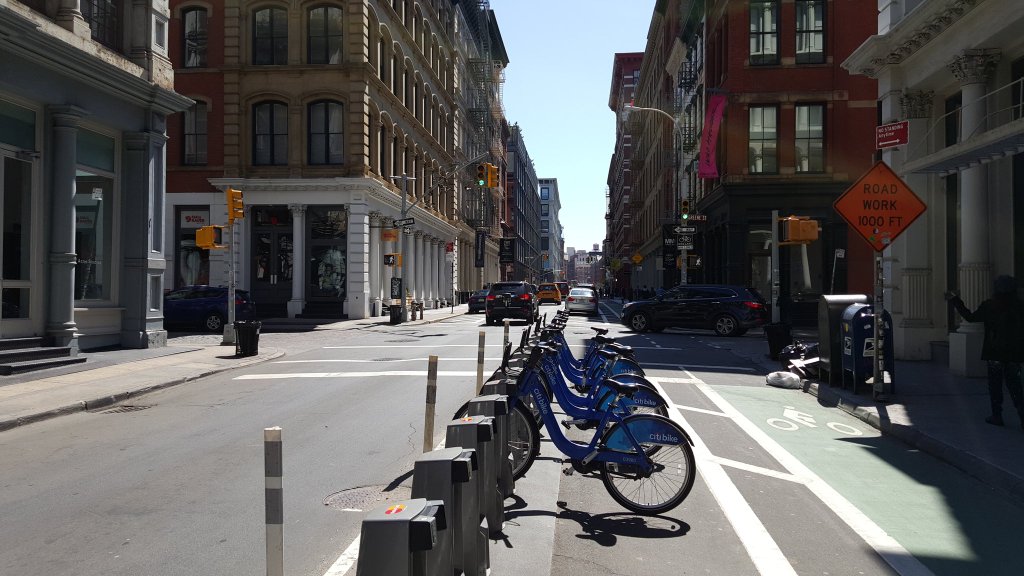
(1003, 347)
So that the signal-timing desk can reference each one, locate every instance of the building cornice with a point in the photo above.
(925, 23)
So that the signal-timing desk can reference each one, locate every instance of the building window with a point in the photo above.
(810, 138)
(545, 193)
(325, 35)
(545, 243)
(270, 36)
(193, 263)
(104, 21)
(545, 226)
(270, 134)
(195, 134)
(764, 34)
(545, 209)
(810, 31)
(763, 138)
(94, 216)
(325, 133)
(194, 24)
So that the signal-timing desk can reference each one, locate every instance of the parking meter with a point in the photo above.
(448, 475)
(401, 539)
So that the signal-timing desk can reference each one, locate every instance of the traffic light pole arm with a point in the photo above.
(675, 121)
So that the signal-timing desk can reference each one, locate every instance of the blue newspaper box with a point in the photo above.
(858, 341)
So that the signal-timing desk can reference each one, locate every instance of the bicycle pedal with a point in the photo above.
(574, 422)
(568, 471)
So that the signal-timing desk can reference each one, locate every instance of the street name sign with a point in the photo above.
(879, 206)
(684, 229)
(889, 135)
(402, 222)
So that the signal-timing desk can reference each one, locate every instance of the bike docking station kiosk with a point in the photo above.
(449, 475)
(496, 406)
(409, 526)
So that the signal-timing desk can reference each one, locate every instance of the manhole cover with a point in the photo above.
(366, 497)
(124, 408)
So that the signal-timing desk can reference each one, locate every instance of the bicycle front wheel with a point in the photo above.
(667, 449)
(523, 440)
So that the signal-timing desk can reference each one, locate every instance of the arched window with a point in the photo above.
(270, 134)
(194, 37)
(194, 135)
(325, 30)
(326, 137)
(270, 36)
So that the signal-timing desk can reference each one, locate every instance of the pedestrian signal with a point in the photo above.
(210, 237)
(799, 230)
(492, 176)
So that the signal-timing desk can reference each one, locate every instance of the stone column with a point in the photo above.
(298, 300)
(972, 68)
(417, 262)
(69, 17)
(357, 288)
(376, 263)
(142, 268)
(388, 271)
(430, 269)
(60, 219)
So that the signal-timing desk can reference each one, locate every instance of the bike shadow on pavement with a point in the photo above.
(604, 529)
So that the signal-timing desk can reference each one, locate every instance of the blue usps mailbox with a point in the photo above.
(858, 342)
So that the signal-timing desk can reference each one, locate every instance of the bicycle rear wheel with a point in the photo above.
(674, 471)
(523, 440)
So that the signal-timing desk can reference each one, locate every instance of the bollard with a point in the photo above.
(480, 363)
(449, 475)
(274, 500)
(477, 433)
(504, 341)
(496, 406)
(428, 414)
(401, 540)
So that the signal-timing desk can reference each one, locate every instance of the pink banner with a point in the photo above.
(708, 166)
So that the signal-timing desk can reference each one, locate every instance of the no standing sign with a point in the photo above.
(880, 206)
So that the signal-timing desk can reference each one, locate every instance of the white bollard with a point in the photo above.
(505, 341)
(480, 364)
(428, 415)
(272, 467)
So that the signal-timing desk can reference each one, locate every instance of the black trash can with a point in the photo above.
(778, 336)
(247, 337)
(396, 314)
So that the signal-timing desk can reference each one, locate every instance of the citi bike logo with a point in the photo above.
(664, 437)
(645, 401)
(542, 402)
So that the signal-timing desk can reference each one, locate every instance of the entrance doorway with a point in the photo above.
(15, 246)
(272, 264)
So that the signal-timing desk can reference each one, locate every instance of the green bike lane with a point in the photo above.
(879, 486)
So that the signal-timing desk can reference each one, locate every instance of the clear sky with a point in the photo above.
(556, 88)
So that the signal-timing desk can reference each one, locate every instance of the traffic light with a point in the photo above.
(393, 259)
(799, 230)
(492, 176)
(684, 209)
(210, 237)
(481, 174)
(236, 209)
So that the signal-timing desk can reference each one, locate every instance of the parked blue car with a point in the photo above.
(205, 307)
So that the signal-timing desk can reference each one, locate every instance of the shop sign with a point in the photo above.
(194, 218)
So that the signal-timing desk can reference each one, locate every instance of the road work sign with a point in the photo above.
(880, 206)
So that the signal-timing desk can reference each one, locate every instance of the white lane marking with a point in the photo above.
(702, 410)
(759, 544)
(884, 545)
(679, 380)
(444, 359)
(700, 366)
(410, 346)
(349, 374)
(759, 470)
(346, 560)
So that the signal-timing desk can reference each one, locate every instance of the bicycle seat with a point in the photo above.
(607, 354)
(620, 348)
(600, 331)
(601, 339)
(621, 387)
(551, 345)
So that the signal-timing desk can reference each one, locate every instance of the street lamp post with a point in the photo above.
(675, 197)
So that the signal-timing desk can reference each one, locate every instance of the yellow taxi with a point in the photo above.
(548, 292)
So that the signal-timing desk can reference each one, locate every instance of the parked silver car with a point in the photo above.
(581, 300)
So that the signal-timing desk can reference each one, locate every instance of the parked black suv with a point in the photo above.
(511, 300)
(728, 310)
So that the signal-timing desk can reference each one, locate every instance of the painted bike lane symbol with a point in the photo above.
(793, 418)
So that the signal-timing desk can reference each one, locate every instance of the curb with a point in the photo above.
(109, 400)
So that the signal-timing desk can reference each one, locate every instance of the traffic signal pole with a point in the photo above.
(229, 328)
(404, 268)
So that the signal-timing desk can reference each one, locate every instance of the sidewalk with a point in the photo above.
(936, 412)
(109, 377)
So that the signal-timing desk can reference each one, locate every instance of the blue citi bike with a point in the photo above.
(645, 460)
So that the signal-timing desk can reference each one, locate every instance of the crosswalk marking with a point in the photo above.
(350, 374)
(444, 359)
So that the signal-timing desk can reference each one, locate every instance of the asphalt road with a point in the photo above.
(785, 485)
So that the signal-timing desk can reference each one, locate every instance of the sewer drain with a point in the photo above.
(125, 408)
(366, 497)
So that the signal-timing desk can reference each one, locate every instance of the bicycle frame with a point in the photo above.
(593, 402)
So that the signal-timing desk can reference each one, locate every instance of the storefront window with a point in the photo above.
(193, 263)
(328, 272)
(93, 222)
